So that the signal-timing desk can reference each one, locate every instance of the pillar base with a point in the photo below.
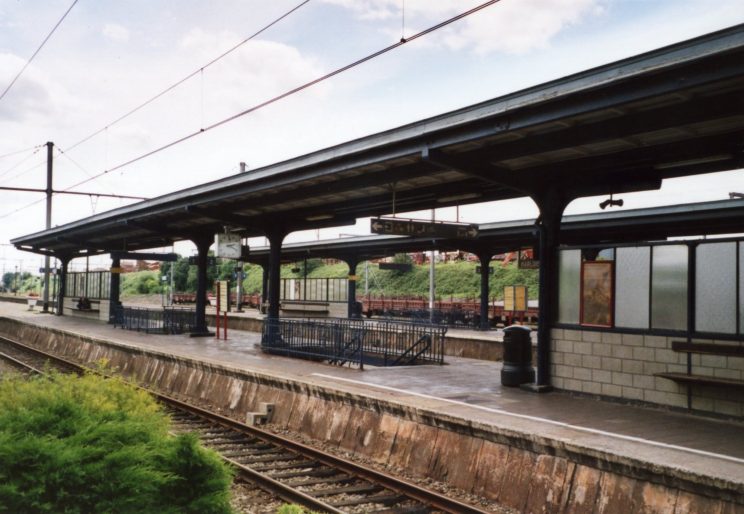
(534, 388)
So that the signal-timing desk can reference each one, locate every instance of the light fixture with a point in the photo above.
(457, 198)
(693, 162)
(736, 195)
(319, 217)
(610, 202)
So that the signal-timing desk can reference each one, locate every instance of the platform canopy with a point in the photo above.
(621, 127)
(632, 225)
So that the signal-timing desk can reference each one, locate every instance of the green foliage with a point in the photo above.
(226, 269)
(181, 272)
(141, 282)
(88, 444)
(253, 277)
(8, 278)
(191, 281)
(22, 282)
(453, 279)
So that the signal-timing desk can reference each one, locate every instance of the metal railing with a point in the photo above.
(337, 340)
(167, 320)
(355, 342)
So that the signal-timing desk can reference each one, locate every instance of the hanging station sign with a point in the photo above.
(409, 227)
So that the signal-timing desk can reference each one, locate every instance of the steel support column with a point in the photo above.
(200, 325)
(551, 204)
(64, 261)
(275, 261)
(264, 283)
(485, 261)
(351, 289)
(115, 288)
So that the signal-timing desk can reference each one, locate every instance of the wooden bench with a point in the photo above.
(93, 303)
(727, 350)
(84, 310)
(304, 308)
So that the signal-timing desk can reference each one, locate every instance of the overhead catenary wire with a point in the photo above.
(16, 165)
(2, 216)
(199, 71)
(10, 154)
(291, 92)
(63, 153)
(2, 95)
(77, 164)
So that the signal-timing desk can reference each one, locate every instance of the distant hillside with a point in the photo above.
(453, 279)
(456, 279)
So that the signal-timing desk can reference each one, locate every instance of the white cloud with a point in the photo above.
(510, 26)
(518, 27)
(30, 94)
(115, 32)
(255, 72)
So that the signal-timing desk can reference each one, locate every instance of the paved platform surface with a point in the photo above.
(469, 389)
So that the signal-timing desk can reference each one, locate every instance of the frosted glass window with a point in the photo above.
(632, 272)
(569, 281)
(741, 287)
(715, 288)
(669, 287)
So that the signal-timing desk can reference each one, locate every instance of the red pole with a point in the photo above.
(217, 313)
(225, 326)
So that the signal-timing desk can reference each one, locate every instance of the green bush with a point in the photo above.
(87, 444)
(140, 282)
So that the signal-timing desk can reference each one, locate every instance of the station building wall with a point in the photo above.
(621, 307)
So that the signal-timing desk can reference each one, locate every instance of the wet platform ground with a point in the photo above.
(469, 389)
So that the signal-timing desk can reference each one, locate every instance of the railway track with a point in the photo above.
(295, 472)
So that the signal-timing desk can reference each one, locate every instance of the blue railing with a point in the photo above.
(355, 342)
(166, 320)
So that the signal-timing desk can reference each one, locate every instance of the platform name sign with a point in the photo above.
(228, 246)
(515, 298)
(419, 228)
(526, 259)
(223, 296)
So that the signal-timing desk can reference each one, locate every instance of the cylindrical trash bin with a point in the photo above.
(517, 356)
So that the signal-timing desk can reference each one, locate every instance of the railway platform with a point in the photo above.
(585, 454)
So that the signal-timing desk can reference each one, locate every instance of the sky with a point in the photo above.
(107, 57)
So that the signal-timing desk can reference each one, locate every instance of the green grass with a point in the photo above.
(87, 444)
(456, 279)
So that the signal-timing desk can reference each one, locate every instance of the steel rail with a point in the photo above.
(20, 364)
(434, 500)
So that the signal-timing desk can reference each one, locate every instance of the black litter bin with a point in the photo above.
(517, 356)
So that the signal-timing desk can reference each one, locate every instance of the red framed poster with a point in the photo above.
(597, 293)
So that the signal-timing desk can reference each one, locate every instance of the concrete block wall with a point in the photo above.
(623, 366)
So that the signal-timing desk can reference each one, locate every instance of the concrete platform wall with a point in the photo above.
(470, 348)
(623, 366)
(519, 470)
